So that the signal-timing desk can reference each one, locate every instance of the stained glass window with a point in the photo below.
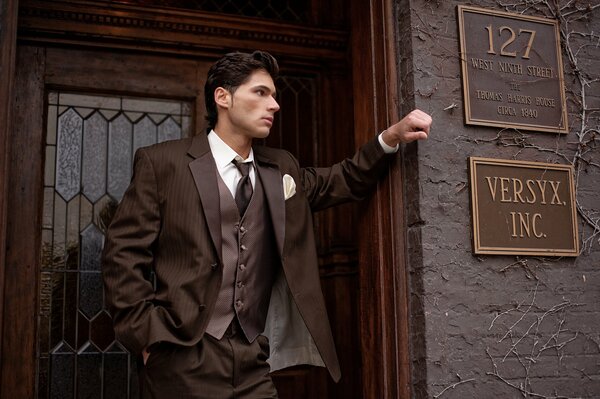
(90, 144)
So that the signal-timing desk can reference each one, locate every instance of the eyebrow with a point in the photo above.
(267, 88)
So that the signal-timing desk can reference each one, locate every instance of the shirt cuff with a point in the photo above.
(388, 149)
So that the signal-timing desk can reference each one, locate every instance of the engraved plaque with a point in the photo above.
(512, 71)
(523, 208)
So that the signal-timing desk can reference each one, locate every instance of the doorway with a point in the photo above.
(97, 79)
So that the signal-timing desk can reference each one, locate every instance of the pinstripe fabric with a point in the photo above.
(249, 256)
(169, 221)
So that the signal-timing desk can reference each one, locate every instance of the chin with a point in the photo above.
(262, 134)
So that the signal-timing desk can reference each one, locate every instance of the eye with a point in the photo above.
(260, 92)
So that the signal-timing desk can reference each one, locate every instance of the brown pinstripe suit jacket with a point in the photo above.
(169, 220)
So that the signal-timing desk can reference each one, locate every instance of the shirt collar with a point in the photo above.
(224, 154)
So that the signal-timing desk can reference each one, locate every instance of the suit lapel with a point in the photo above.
(204, 172)
(273, 186)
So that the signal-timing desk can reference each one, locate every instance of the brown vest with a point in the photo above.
(249, 264)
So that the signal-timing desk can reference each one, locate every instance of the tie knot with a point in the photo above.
(243, 167)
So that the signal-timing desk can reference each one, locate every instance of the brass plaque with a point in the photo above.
(523, 208)
(512, 70)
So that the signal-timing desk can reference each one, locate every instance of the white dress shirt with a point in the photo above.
(388, 149)
(223, 155)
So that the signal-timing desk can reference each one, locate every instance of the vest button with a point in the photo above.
(239, 284)
(239, 303)
(214, 266)
(243, 247)
(242, 267)
(242, 229)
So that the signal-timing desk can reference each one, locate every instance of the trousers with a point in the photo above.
(229, 368)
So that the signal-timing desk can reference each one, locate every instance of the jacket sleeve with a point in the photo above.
(349, 180)
(128, 257)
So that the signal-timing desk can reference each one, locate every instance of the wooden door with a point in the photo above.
(82, 107)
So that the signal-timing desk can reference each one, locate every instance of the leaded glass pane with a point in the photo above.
(94, 157)
(89, 369)
(91, 247)
(83, 330)
(144, 133)
(109, 114)
(85, 212)
(49, 167)
(78, 100)
(84, 112)
(153, 106)
(68, 163)
(62, 372)
(56, 308)
(90, 291)
(169, 130)
(48, 212)
(51, 124)
(73, 227)
(70, 310)
(115, 374)
(119, 156)
(102, 333)
(60, 229)
(89, 155)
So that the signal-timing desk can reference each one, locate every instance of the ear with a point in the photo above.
(222, 97)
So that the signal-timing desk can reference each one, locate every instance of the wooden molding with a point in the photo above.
(8, 45)
(22, 257)
(383, 301)
(158, 29)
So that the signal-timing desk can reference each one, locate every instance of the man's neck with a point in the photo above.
(240, 144)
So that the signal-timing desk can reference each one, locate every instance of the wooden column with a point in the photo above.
(8, 45)
(383, 304)
(23, 232)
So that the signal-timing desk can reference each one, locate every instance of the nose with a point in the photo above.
(273, 105)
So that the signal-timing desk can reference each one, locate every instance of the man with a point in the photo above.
(227, 229)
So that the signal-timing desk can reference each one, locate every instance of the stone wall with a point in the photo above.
(498, 326)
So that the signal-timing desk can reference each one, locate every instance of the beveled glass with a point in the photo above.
(68, 157)
(119, 156)
(94, 159)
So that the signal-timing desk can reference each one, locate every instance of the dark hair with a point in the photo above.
(231, 71)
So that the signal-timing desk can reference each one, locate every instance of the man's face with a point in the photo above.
(252, 106)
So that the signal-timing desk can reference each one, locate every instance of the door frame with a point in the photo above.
(384, 289)
(384, 310)
(8, 46)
